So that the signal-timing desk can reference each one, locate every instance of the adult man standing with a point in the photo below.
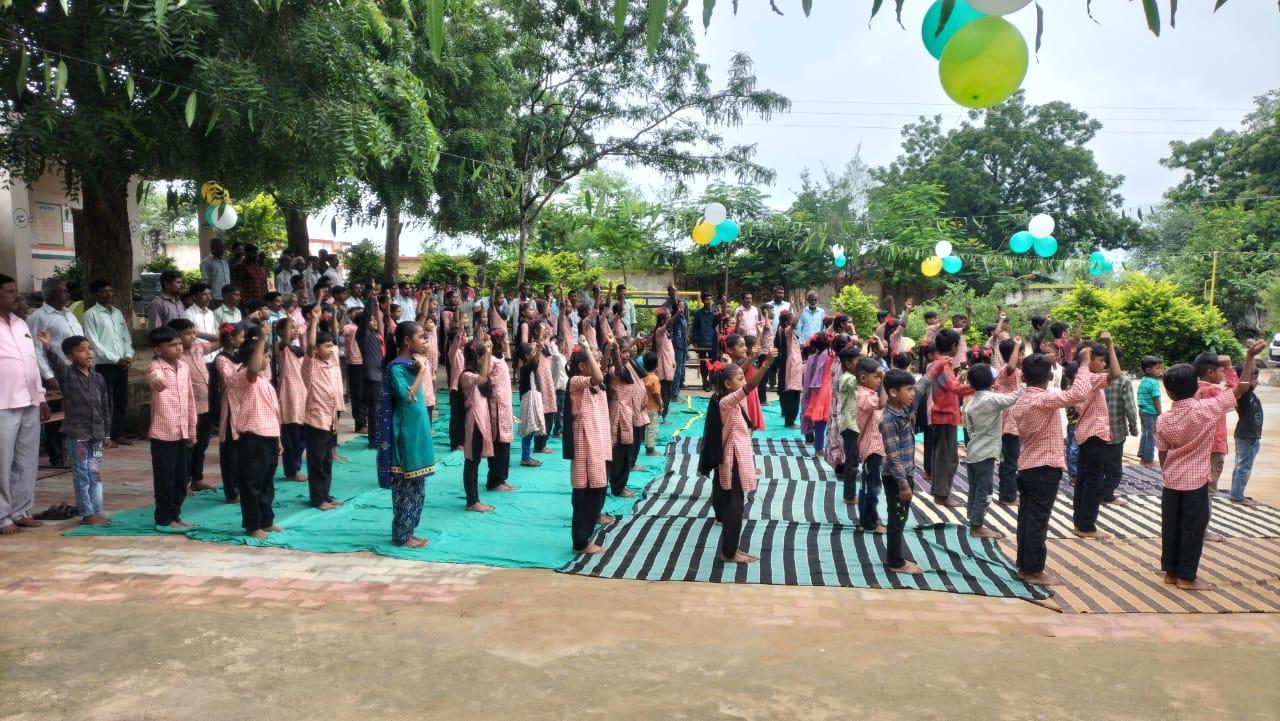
(747, 319)
(250, 276)
(332, 272)
(229, 311)
(60, 323)
(215, 271)
(22, 409)
(704, 336)
(679, 343)
(810, 321)
(629, 314)
(168, 305)
(779, 301)
(112, 344)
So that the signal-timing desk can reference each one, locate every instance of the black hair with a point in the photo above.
(169, 276)
(339, 289)
(160, 336)
(1058, 329)
(1099, 350)
(978, 354)
(902, 360)
(70, 343)
(195, 289)
(270, 296)
(1204, 363)
(841, 342)
(404, 331)
(731, 340)
(818, 342)
(1070, 370)
(946, 340)
(650, 360)
(99, 284)
(930, 314)
(981, 377)
(1036, 369)
(252, 306)
(896, 378)
(322, 338)
(1037, 321)
(989, 328)
(497, 335)
(1006, 349)
(279, 326)
(4, 279)
(181, 324)
(848, 353)
(722, 375)
(881, 315)
(229, 288)
(1182, 381)
(1149, 361)
(957, 317)
(866, 366)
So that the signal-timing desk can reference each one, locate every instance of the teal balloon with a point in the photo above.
(1107, 267)
(727, 231)
(935, 41)
(209, 215)
(715, 240)
(1046, 246)
(841, 261)
(1021, 241)
(952, 264)
(1096, 257)
(1096, 269)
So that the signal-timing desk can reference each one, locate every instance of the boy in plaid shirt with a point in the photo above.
(900, 393)
(1184, 440)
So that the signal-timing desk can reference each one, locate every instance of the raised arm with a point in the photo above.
(313, 320)
(258, 361)
(754, 381)
(1114, 371)
(1250, 361)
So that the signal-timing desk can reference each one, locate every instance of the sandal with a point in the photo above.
(59, 512)
(531, 463)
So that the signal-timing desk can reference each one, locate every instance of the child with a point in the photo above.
(789, 369)
(983, 420)
(430, 360)
(1212, 370)
(1248, 438)
(928, 354)
(931, 325)
(558, 349)
(586, 444)
(473, 385)
(1037, 333)
(1042, 460)
(501, 413)
(355, 371)
(533, 422)
(897, 428)
(324, 404)
(86, 424)
(737, 467)
(173, 426)
(742, 352)
(405, 453)
(1185, 439)
(959, 324)
(639, 401)
(457, 412)
(945, 394)
(816, 398)
(1123, 414)
(666, 369)
(231, 337)
(835, 455)
(1065, 344)
(653, 402)
(1149, 407)
(1009, 353)
(846, 419)
(869, 375)
(193, 352)
(1093, 435)
(255, 427)
(293, 396)
(1071, 417)
(618, 384)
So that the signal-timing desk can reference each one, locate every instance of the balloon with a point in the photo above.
(952, 264)
(1021, 241)
(226, 220)
(931, 266)
(703, 233)
(715, 213)
(841, 261)
(1096, 269)
(208, 215)
(1107, 267)
(1046, 247)
(1041, 226)
(984, 63)
(942, 249)
(714, 242)
(962, 14)
(727, 231)
(998, 7)
(1096, 257)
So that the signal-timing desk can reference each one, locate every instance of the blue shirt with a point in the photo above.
(810, 322)
(704, 328)
(680, 332)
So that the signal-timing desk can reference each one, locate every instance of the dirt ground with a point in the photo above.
(129, 629)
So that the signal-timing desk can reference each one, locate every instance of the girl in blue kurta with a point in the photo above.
(405, 453)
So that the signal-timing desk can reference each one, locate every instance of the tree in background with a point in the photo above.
(1229, 165)
(1154, 317)
(442, 267)
(171, 210)
(260, 223)
(1086, 302)
(363, 261)
(1241, 238)
(859, 306)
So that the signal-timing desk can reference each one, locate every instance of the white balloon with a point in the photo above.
(227, 219)
(1041, 226)
(715, 213)
(942, 249)
(998, 7)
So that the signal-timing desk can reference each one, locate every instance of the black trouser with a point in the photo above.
(1038, 488)
(170, 462)
(1184, 517)
(898, 510)
(53, 443)
(868, 514)
(229, 465)
(457, 420)
(540, 441)
(665, 387)
(587, 504)
(1112, 471)
(718, 495)
(927, 441)
(117, 378)
(471, 468)
(293, 436)
(637, 441)
(1091, 466)
(359, 401)
(1010, 450)
(206, 424)
(258, 457)
(946, 459)
(849, 439)
(733, 503)
(761, 393)
(620, 468)
(704, 356)
(790, 402)
(499, 465)
(771, 376)
(319, 463)
(373, 397)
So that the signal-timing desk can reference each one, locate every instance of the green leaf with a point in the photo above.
(1219, 4)
(619, 17)
(1039, 26)
(707, 7)
(807, 6)
(653, 28)
(125, 9)
(65, 10)
(213, 120)
(60, 83)
(1173, 13)
(24, 64)
(875, 8)
(435, 27)
(407, 9)
(944, 15)
(102, 78)
(155, 91)
(48, 75)
(162, 7)
(251, 120)
(128, 87)
(1153, 16)
(191, 109)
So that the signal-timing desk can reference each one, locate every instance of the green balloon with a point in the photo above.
(984, 63)
(935, 41)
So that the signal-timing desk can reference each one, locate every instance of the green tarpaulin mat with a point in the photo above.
(528, 529)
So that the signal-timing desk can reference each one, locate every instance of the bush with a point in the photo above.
(1151, 317)
(1085, 302)
(957, 299)
(73, 274)
(564, 268)
(363, 261)
(444, 268)
(859, 307)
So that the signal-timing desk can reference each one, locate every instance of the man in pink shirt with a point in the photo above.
(22, 409)
(1042, 458)
(1093, 434)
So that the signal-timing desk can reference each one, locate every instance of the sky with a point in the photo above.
(854, 86)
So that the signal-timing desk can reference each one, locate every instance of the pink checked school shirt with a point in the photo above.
(591, 446)
(736, 435)
(1186, 434)
(1040, 425)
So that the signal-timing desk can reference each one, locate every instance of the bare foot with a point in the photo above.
(626, 493)
(652, 452)
(544, 450)
(503, 487)
(908, 567)
(415, 542)
(274, 529)
(879, 529)
(259, 534)
(28, 523)
(340, 459)
(949, 501)
(819, 454)
(738, 557)
(605, 519)
(1095, 535)
(185, 524)
(326, 506)
(850, 501)
(10, 530)
(1196, 585)
(590, 550)
(984, 532)
(1043, 578)
(1212, 537)
(1145, 464)
(1170, 579)
(753, 557)
(297, 478)
(480, 507)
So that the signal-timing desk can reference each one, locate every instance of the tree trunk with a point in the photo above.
(295, 226)
(104, 245)
(391, 254)
(524, 246)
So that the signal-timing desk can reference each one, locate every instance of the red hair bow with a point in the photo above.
(715, 366)
(227, 328)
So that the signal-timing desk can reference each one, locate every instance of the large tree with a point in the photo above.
(1230, 165)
